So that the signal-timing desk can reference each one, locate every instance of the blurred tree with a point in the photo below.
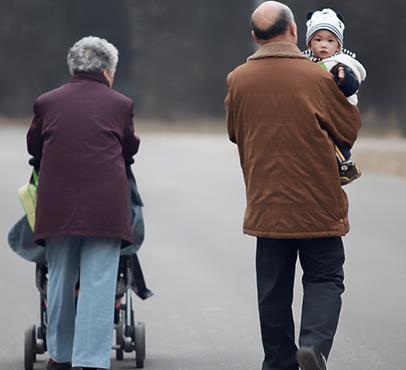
(183, 50)
(29, 35)
(175, 55)
(374, 31)
(103, 18)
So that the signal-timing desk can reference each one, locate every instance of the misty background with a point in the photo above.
(174, 59)
(175, 55)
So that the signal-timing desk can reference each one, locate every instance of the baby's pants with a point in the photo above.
(343, 154)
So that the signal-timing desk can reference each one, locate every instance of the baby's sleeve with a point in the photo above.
(350, 84)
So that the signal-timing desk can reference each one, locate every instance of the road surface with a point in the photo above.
(201, 268)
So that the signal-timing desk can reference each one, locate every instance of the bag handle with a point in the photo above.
(34, 178)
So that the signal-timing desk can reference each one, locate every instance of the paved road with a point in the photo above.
(203, 315)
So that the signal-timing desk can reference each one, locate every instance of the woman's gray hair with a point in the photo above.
(92, 54)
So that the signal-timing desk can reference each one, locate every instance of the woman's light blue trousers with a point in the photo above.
(82, 334)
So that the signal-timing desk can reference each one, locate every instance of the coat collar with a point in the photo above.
(278, 50)
(90, 76)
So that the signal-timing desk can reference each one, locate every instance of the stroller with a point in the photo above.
(128, 333)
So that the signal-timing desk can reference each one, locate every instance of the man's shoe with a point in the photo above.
(53, 365)
(348, 172)
(311, 359)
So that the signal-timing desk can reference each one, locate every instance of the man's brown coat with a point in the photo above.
(285, 113)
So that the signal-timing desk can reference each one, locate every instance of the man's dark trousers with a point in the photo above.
(322, 262)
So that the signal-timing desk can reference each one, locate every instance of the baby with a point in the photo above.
(324, 38)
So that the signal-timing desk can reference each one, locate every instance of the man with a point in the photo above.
(284, 113)
(81, 137)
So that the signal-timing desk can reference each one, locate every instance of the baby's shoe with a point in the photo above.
(348, 172)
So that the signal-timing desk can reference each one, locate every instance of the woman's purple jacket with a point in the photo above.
(82, 135)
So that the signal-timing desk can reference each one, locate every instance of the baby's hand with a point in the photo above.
(341, 74)
(345, 79)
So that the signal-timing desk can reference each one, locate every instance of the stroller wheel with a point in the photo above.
(30, 343)
(41, 333)
(41, 342)
(119, 354)
(119, 342)
(139, 345)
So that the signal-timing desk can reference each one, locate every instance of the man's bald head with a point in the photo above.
(271, 19)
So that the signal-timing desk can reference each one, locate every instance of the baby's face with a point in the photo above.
(324, 44)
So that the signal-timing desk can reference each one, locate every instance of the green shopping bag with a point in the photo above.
(28, 198)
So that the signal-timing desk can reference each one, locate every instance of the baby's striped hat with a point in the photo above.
(326, 19)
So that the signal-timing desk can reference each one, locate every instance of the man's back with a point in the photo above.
(282, 111)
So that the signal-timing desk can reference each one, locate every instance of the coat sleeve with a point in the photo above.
(34, 136)
(131, 141)
(229, 111)
(349, 85)
(337, 116)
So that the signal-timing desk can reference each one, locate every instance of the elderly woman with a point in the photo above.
(81, 137)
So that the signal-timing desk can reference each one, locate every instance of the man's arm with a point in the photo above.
(229, 112)
(337, 116)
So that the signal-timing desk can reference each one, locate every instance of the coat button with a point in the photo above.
(341, 220)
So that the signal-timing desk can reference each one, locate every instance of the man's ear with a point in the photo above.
(309, 14)
(254, 36)
(293, 29)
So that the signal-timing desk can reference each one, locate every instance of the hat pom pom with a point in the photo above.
(309, 14)
(340, 16)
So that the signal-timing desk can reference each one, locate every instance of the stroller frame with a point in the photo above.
(129, 334)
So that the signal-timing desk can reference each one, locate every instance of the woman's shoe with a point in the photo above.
(53, 365)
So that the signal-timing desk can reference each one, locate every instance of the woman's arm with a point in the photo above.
(131, 141)
(34, 137)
